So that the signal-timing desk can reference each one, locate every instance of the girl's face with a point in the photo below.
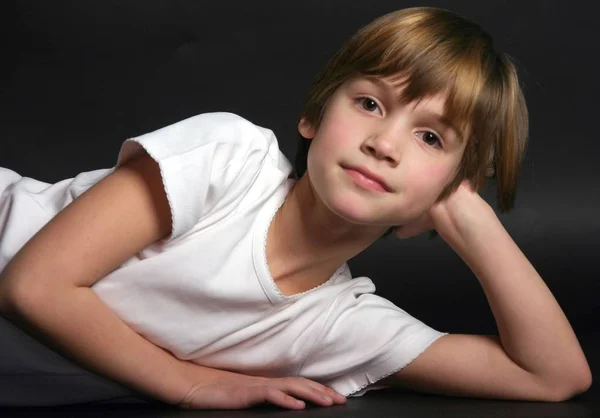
(408, 147)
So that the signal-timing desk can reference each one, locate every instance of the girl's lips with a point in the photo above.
(364, 181)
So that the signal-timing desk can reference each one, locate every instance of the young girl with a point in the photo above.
(205, 271)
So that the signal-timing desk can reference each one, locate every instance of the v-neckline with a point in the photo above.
(265, 219)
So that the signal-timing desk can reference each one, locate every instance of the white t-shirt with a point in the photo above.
(205, 292)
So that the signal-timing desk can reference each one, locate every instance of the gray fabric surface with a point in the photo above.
(32, 374)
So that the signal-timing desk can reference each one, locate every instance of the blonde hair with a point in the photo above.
(428, 51)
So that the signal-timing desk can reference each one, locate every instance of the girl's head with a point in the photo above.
(373, 106)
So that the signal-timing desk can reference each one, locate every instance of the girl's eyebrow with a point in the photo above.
(440, 120)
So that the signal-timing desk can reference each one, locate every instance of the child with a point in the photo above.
(201, 272)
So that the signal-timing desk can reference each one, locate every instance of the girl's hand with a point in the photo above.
(239, 392)
(463, 211)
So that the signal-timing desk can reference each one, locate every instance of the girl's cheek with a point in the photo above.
(426, 184)
(338, 133)
(334, 142)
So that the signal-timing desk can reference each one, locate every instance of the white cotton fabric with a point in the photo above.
(205, 293)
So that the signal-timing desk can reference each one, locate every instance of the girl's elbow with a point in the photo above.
(15, 296)
(585, 379)
(575, 387)
(585, 382)
(5, 295)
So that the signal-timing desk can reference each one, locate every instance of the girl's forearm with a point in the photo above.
(78, 324)
(533, 329)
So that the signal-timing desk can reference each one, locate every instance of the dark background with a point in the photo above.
(78, 77)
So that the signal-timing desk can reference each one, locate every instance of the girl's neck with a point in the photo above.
(307, 243)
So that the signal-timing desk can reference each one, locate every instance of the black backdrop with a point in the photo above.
(80, 77)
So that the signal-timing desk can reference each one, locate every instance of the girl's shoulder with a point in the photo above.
(207, 162)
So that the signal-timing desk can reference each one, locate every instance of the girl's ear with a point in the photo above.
(305, 128)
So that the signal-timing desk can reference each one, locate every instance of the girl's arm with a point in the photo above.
(45, 289)
(535, 357)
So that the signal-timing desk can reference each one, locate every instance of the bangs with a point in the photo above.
(444, 56)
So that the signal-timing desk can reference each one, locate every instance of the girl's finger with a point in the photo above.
(282, 399)
(304, 391)
(337, 397)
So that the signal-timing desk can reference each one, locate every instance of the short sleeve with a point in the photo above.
(364, 339)
(207, 163)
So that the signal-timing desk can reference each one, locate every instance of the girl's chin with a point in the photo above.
(355, 211)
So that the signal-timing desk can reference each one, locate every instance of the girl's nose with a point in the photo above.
(385, 145)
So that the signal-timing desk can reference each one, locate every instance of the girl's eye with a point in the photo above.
(367, 103)
(431, 139)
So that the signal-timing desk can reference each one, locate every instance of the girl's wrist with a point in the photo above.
(472, 242)
(469, 228)
(188, 375)
(196, 378)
